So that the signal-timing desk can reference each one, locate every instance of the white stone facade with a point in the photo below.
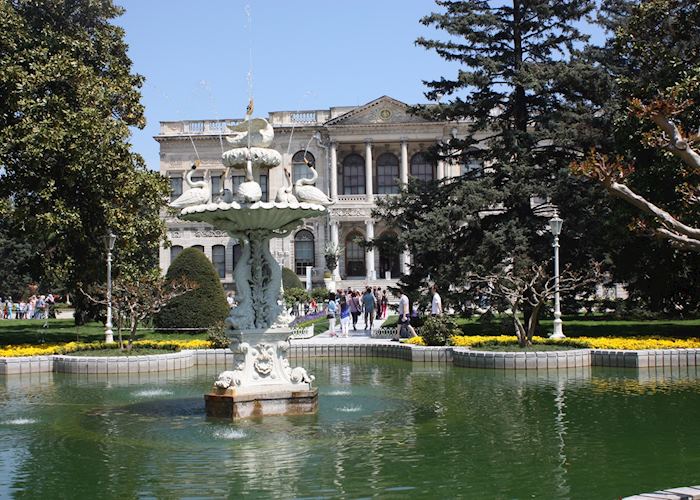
(361, 153)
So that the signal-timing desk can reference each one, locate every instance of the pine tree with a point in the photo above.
(527, 100)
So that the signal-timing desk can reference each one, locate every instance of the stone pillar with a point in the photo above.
(334, 171)
(335, 243)
(405, 260)
(369, 256)
(368, 171)
(404, 162)
(440, 169)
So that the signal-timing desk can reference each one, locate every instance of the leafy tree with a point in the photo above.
(67, 99)
(651, 161)
(201, 308)
(526, 100)
(290, 279)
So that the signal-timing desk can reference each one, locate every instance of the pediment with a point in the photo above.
(383, 110)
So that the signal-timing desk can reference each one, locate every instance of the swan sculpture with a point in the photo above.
(256, 132)
(198, 194)
(304, 190)
(284, 194)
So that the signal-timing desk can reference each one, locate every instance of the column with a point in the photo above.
(335, 243)
(405, 261)
(369, 256)
(441, 169)
(404, 162)
(368, 171)
(334, 171)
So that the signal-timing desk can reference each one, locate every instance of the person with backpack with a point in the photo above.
(331, 310)
(369, 305)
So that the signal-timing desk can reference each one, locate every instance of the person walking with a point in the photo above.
(344, 314)
(404, 324)
(331, 310)
(355, 308)
(368, 306)
(436, 305)
(384, 304)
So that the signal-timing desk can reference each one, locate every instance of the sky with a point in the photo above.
(310, 54)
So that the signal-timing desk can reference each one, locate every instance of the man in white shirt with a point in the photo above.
(436, 307)
(404, 318)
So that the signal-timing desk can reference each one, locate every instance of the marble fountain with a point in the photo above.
(261, 380)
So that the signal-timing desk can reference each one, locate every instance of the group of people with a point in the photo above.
(36, 307)
(348, 305)
(404, 328)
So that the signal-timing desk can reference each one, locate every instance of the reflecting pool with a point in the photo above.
(385, 428)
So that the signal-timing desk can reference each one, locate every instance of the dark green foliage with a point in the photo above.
(217, 336)
(516, 58)
(295, 295)
(653, 53)
(200, 308)
(320, 294)
(290, 279)
(437, 330)
(67, 100)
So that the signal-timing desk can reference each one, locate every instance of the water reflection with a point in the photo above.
(383, 427)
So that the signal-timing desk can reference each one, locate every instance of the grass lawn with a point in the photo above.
(18, 331)
(585, 327)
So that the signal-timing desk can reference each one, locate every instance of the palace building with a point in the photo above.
(361, 153)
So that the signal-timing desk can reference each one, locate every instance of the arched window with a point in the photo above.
(354, 255)
(422, 168)
(218, 258)
(174, 252)
(353, 174)
(387, 174)
(300, 170)
(199, 247)
(216, 185)
(303, 251)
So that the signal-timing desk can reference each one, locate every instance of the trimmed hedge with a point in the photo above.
(200, 308)
(290, 279)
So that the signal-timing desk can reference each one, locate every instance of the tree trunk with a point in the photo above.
(132, 332)
(520, 332)
(533, 321)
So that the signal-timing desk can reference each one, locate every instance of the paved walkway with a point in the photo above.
(359, 336)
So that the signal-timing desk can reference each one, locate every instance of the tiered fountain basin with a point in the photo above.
(261, 380)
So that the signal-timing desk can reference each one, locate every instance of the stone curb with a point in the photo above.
(300, 350)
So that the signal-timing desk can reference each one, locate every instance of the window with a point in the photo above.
(175, 187)
(237, 180)
(197, 178)
(387, 174)
(353, 174)
(300, 169)
(174, 252)
(470, 165)
(421, 168)
(236, 254)
(218, 258)
(354, 256)
(199, 247)
(216, 184)
(264, 187)
(303, 251)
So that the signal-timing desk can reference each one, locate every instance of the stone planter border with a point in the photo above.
(301, 351)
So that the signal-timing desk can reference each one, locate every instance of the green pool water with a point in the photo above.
(387, 429)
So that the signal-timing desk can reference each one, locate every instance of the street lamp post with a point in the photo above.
(555, 224)
(109, 239)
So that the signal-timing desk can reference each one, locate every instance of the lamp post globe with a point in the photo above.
(109, 240)
(555, 224)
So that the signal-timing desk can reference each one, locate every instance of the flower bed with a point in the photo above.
(618, 343)
(12, 351)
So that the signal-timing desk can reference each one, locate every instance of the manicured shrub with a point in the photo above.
(320, 294)
(216, 335)
(290, 279)
(437, 330)
(295, 295)
(200, 308)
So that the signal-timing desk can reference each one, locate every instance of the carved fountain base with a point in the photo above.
(261, 382)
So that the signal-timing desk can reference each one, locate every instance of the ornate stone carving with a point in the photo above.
(210, 233)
